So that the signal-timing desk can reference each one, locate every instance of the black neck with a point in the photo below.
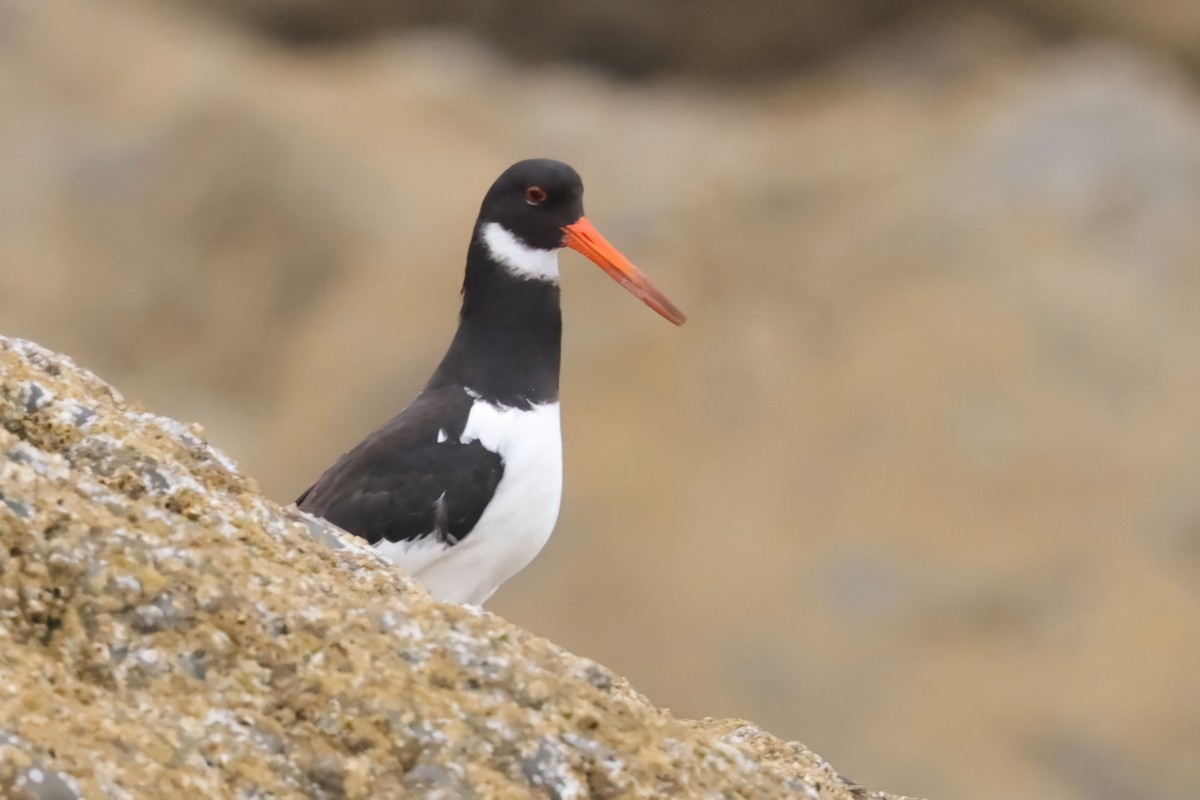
(509, 337)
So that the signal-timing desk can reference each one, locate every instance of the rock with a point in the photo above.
(24, 774)
(1170, 25)
(167, 631)
(626, 37)
(705, 38)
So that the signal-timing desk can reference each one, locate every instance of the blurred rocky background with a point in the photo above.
(919, 482)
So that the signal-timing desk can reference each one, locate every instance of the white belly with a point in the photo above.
(517, 522)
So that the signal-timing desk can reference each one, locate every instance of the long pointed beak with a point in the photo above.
(582, 237)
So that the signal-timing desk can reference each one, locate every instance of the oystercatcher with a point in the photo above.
(463, 487)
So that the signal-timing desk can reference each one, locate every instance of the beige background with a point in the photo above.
(919, 482)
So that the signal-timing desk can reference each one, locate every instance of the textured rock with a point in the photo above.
(165, 631)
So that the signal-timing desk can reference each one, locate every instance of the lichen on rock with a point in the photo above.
(166, 631)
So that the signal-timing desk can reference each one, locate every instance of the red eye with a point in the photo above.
(535, 195)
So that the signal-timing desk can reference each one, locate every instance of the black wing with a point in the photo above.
(401, 483)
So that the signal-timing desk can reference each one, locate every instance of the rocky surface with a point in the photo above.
(165, 631)
(626, 37)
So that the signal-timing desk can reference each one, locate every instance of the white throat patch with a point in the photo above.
(518, 258)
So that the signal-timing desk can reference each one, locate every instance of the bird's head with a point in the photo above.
(536, 207)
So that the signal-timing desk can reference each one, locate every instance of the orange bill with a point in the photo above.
(582, 237)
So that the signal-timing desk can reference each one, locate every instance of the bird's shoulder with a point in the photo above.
(412, 478)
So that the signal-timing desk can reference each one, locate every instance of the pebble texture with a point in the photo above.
(165, 631)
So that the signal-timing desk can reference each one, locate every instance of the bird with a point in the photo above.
(463, 487)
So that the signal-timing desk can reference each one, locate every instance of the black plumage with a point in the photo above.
(402, 484)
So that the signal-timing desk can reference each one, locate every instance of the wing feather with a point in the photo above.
(412, 479)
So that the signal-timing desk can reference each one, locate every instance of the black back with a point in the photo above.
(401, 483)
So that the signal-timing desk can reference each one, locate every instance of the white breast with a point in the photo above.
(517, 522)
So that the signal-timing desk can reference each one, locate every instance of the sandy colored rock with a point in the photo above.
(165, 631)
(1170, 25)
(626, 37)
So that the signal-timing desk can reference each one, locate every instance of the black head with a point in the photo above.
(540, 203)
(535, 199)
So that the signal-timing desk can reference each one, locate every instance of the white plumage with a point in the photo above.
(516, 523)
(521, 260)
